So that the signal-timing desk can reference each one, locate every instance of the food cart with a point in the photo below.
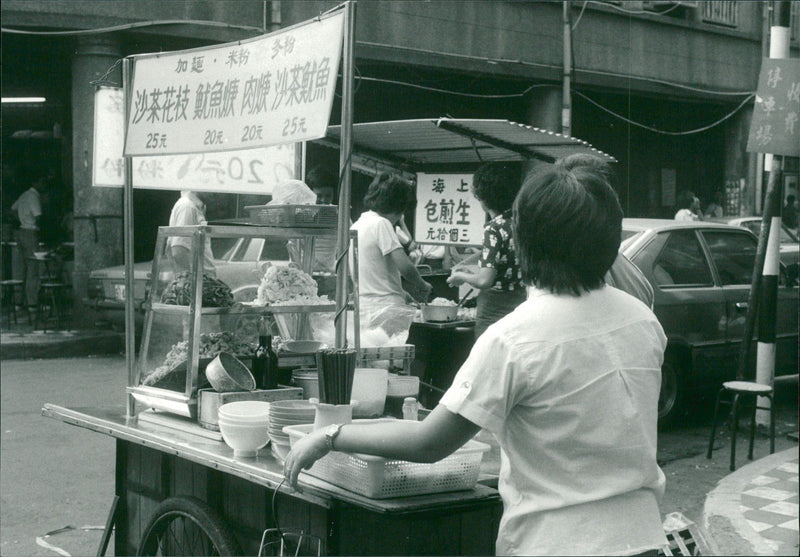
(171, 471)
(439, 156)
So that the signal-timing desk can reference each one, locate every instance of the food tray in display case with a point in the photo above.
(294, 216)
(381, 478)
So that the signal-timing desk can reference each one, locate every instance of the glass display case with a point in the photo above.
(215, 286)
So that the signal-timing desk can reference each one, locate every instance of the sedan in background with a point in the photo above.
(240, 263)
(789, 246)
(700, 272)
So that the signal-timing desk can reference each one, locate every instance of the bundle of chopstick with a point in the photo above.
(335, 369)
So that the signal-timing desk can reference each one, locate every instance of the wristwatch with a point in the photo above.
(331, 433)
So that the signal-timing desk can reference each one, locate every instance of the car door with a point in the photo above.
(733, 254)
(688, 303)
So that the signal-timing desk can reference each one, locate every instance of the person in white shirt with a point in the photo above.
(382, 262)
(689, 207)
(189, 210)
(567, 383)
(28, 210)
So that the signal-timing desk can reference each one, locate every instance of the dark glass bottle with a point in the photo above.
(265, 364)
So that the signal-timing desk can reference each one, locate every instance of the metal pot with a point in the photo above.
(439, 313)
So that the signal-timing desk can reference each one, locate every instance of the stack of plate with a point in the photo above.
(283, 413)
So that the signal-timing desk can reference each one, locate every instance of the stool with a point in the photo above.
(50, 302)
(738, 389)
(9, 293)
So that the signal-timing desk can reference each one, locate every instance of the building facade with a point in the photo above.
(667, 88)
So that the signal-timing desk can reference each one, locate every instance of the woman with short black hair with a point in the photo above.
(382, 262)
(567, 384)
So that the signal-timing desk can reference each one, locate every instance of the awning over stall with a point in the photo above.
(425, 142)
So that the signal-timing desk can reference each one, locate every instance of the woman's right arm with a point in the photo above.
(408, 271)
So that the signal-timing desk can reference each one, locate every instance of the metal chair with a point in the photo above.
(51, 297)
(743, 389)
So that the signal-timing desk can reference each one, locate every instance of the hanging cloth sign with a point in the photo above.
(270, 90)
(775, 128)
(249, 171)
(447, 212)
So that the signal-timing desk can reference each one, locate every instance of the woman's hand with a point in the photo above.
(422, 293)
(456, 278)
(304, 454)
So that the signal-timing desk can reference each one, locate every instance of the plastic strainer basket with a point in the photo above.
(380, 478)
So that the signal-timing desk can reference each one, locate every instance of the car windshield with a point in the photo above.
(787, 236)
(627, 237)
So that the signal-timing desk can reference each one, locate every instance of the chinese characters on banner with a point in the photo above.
(447, 212)
(775, 128)
(250, 171)
(271, 90)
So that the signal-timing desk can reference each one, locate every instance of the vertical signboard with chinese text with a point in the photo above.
(447, 212)
(775, 128)
(271, 90)
(248, 171)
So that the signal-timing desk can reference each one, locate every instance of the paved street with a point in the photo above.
(56, 475)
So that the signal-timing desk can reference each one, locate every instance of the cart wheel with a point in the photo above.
(187, 526)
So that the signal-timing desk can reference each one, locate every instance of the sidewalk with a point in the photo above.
(754, 510)
(19, 341)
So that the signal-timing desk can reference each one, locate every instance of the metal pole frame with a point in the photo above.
(345, 173)
(127, 225)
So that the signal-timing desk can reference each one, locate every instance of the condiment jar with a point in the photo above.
(410, 409)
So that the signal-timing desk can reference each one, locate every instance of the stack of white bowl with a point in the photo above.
(283, 413)
(244, 426)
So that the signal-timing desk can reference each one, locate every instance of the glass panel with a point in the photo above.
(274, 249)
(163, 360)
(733, 255)
(249, 249)
(223, 248)
(681, 262)
(164, 363)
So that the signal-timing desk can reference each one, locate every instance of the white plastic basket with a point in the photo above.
(380, 478)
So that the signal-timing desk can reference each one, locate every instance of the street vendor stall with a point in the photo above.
(183, 487)
(439, 155)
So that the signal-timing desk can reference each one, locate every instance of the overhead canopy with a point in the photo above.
(426, 142)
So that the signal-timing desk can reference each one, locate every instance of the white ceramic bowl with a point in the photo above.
(246, 421)
(245, 440)
(252, 410)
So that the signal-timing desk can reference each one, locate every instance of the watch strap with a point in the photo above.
(331, 433)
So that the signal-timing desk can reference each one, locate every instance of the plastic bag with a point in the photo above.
(293, 192)
(394, 321)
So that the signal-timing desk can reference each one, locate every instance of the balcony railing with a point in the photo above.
(720, 12)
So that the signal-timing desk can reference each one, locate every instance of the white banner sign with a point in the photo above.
(447, 212)
(249, 171)
(271, 90)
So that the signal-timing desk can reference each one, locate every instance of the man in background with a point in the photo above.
(28, 210)
(189, 210)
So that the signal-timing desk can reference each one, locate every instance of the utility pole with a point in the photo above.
(767, 315)
(566, 95)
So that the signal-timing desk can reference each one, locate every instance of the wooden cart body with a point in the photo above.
(154, 462)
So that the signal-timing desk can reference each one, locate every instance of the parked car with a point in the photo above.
(700, 272)
(239, 262)
(789, 246)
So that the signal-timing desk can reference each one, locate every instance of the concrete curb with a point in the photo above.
(723, 518)
(60, 344)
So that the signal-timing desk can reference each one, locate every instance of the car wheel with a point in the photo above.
(670, 399)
